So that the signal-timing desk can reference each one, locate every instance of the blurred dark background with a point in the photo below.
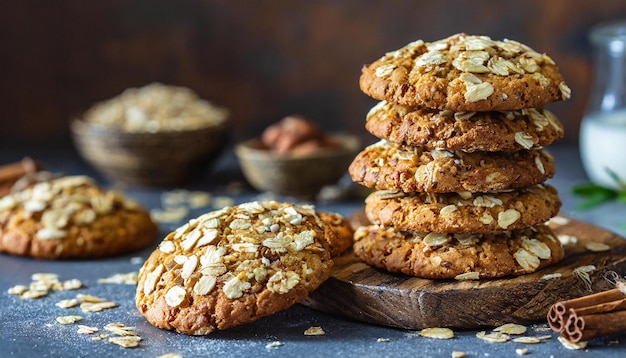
(260, 59)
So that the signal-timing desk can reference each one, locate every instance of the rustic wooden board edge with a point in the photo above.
(358, 291)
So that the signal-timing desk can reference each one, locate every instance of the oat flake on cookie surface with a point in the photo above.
(232, 266)
(465, 73)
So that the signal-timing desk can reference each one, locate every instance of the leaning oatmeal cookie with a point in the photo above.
(463, 212)
(460, 256)
(389, 166)
(340, 234)
(465, 73)
(72, 218)
(467, 131)
(233, 266)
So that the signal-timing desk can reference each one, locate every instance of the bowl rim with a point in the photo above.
(81, 127)
(349, 144)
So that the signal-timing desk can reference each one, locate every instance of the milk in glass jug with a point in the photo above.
(603, 128)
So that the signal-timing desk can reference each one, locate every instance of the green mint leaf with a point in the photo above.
(616, 178)
(592, 189)
(593, 200)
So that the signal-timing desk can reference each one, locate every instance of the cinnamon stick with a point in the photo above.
(559, 313)
(583, 328)
(12, 172)
(588, 317)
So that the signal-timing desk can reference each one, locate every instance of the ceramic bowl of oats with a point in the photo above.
(156, 135)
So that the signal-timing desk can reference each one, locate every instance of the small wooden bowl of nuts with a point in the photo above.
(156, 135)
(295, 158)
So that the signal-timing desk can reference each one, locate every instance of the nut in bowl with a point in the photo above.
(156, 135)
(301, 167)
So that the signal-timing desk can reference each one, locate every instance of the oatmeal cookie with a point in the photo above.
(233, 266)
(389, 166)
(464, 212)
(339, 234)
(72, 218)
(460, 256)
(468, 131)
(465, 73)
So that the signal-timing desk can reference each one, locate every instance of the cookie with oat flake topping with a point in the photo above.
(390, 166)
(464, 212)
(232, 266)
(460, 256)
(72, 218)
(465, 73)
(468, 131)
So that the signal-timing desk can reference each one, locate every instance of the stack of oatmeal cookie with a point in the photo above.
(460, 166)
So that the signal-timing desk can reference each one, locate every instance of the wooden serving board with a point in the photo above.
(364, 293)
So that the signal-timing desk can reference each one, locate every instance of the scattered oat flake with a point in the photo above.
(527, 340)
(511, 328)
(68, 303)
(126, 341)
(542, 329)
(222, 201)
(570, 345)
(165, 216)
(17, 290)
(89, 298)
(73, 284)
(44, 286)
(458, 354)
(100, 337)
(30, 294)
(495, 337)
(550, 276)
(543, 338)
(43, 276)
(97, 306)
(437, 333)
(383, 340)
(582, 273)
(121, 278)
(521, 351)
(314, 331)
(199, 199)
(597, 246)
(274, 344)
(82, 329)
(121, 329)
(170, 355)
(68, 319)
(137, 260)
(567, 239)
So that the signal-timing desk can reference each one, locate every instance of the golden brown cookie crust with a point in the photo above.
(339, 234)
(72, 218)
(390, 166)
(465, 73)
(446, 256)
(233, 266)
(480, 213)
(468, 131)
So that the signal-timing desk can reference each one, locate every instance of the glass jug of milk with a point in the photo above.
(603, 128)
